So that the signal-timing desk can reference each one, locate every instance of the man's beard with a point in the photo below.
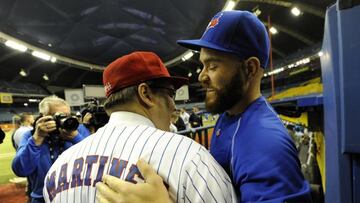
(227, 96)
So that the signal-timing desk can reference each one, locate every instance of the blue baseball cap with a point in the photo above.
(237, 32)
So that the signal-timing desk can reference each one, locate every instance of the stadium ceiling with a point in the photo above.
(81, 37)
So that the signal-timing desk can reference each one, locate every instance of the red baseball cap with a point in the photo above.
(136, 68)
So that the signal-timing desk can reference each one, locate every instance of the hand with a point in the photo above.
(87, 117)
(114, 190)
(67, 135)
(43, 127)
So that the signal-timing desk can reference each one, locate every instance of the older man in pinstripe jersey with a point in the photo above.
(140, 95)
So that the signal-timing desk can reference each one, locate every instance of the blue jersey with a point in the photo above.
(255, 149)
(34, 161)
(83, 130)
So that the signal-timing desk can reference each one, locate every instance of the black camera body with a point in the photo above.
(66, 122)
(99, 117)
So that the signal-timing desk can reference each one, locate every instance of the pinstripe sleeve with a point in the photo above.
(204, 180)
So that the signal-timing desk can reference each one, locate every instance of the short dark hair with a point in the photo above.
(120, 97)
(24, 116)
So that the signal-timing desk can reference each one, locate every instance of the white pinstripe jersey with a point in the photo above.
(187, 168)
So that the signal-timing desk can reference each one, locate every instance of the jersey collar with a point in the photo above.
(129, 118)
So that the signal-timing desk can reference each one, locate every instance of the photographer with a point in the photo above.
(54, 131)
(93, 117)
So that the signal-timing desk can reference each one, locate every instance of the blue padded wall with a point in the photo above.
(349, 81)
(338, 166)
(341, 79)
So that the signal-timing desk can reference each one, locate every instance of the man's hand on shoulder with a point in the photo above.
(114, 190)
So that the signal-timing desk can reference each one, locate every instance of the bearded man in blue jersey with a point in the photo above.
(249, 140)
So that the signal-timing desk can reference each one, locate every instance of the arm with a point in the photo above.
(73, 137)
(28, 154)
(27, 157)
(83, 130)
(115, 190)
(268, 169)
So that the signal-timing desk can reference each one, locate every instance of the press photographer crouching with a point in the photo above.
(54, 132)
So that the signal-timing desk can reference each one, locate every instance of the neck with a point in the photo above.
(240, 107)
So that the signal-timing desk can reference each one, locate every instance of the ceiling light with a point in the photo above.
(23, 73)
(34, 100)
(320, 53)
(198, 70)
(257, 12)
(306, 60)
(188, 55)
(41, 55)
(295, 11)
(53, 59)
(16, 46)
(291, 65)
(190, 74)
(26, 104)
(230, 5)
(45, 77)
(273, 30)
(265, 75)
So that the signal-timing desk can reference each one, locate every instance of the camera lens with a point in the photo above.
(69, 123)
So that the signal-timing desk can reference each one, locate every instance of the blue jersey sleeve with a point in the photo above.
(83, 130)
(266, 168)
(27, 156)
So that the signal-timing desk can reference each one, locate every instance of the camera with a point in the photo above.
(65, 122)
(99, 117)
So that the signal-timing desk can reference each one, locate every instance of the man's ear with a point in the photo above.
(145, 95)
(252, 67)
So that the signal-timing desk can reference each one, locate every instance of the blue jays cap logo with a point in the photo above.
(214, 21)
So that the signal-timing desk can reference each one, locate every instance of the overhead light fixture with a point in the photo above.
(41, 55)
(187, 56)
(198, 70)
(273, 30)
(320, 53)
(23, 72)
(257, 12)
(230, 5)
(295, 11)
(306, 60)
(34, 100)
(276, 71)
(16, 45)
(26, 104)
(53, 59)
(190, 74)
(45, 77)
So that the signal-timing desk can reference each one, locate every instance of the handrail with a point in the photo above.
(192, 132)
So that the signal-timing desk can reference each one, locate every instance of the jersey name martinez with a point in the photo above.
(57, 183)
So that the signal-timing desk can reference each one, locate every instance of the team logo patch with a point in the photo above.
(215, 21)
(107, 87)
(218, 133)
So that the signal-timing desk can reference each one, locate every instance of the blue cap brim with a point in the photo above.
(197, 44)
